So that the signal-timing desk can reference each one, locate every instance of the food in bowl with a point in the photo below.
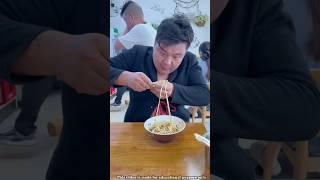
(162, 129)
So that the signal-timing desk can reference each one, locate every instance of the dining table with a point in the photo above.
(135, 154)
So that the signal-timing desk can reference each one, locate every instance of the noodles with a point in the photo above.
(164, 127)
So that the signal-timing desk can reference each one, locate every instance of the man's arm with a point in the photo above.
(279, 101)
(21, 22)
(123, 72)
(30, 47)
(15, 39)
(196, 92)
(78, 60)
(120, 63)
(40, 57)
(118, 45)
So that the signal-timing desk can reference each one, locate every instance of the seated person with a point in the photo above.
(169, 60)
(204, 60)
(305, 22)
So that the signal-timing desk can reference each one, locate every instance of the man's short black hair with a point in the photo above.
(175, 30)
(124, 7)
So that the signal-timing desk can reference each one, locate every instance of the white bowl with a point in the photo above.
(164, 137)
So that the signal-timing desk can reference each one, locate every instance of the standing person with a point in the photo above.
(136, 27)
(262, 88)
(33, 96)
(66, 40)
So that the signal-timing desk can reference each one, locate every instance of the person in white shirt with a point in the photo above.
(137, 32)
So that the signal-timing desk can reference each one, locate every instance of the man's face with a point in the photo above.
(168, 58)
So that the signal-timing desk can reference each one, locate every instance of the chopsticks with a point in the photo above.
(168, 105)
(159, 100)
(167, 99)
(202, 139)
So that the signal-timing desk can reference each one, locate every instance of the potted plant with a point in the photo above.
(200, 20)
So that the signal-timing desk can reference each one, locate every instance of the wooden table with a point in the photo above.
(134, 153)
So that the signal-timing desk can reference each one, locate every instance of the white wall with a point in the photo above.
(156, 10)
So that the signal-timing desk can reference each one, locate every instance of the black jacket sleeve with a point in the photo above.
(21, 22)
(276, 100)
(196, 91)
(15, 39)
(122, 62)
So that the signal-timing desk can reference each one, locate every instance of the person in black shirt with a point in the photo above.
(65, 39)
(262, 88)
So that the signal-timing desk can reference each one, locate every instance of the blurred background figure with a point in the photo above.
(136, 28)
(33, 96)
(204, 60)
(306, 18)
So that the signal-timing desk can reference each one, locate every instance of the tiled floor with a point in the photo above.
(119, 116)
(17, 163)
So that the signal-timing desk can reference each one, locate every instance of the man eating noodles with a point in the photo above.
(169, 60)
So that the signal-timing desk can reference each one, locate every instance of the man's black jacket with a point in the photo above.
(82, 149)
(260, 84)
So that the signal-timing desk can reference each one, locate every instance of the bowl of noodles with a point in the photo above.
(164, 128)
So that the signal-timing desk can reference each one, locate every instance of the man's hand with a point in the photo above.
(156, 88)
(118, 45)
(85, 67)
(138, 81)
(78, 60)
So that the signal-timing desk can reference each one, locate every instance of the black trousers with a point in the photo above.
(33, 96)
(81, 153)
(230, 161)
(120, 92)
